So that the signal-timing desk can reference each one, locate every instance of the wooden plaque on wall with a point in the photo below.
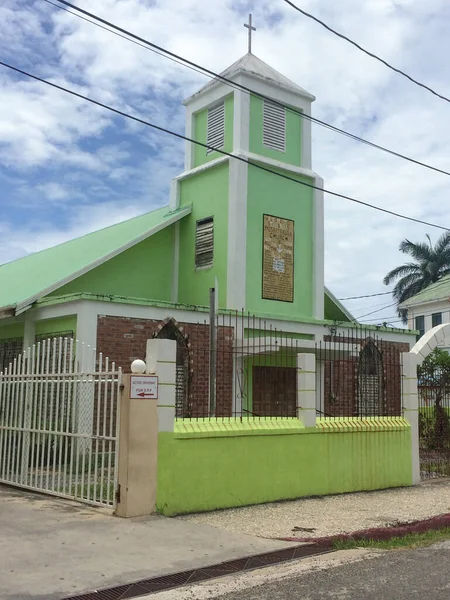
(278, 259)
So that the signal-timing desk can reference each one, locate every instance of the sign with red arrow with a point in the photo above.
(144, 387)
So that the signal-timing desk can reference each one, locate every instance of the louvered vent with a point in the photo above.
(216, 127)
(204, 243)
(274, 126)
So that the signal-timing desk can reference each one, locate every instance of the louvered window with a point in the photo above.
(274, 126)
(215, 136)
(204, 243)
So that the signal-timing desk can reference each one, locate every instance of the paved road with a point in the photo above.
(51, 548)
(395, 575)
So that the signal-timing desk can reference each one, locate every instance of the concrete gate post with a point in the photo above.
(140, 422)
(410, 406)
(306, 389)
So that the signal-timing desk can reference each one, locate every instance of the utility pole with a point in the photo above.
(212, 351)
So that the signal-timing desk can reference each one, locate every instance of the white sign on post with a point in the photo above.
(144, 387)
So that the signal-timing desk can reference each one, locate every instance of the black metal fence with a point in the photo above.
(434, 421)
(358, 375)
(252, 371)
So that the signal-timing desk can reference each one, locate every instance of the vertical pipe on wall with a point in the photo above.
(212, 351)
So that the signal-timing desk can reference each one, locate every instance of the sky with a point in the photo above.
(68, 168)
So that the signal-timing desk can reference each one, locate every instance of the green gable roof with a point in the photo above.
(27, 279)
(334, 310)
(436, 291)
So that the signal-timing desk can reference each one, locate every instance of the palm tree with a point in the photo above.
(431, 263)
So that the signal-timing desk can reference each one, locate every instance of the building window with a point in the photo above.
(370, 381)
(204, 243)
(215, 135)
(274, 126)
(436, 319)
(420, 325)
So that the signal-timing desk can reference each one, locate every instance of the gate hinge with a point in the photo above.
(118, 494)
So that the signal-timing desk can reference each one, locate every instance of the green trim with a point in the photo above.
(186, 428)
(368, 424)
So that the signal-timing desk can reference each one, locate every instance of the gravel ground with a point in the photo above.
(329, 515)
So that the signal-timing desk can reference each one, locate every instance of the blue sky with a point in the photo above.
(67, 167)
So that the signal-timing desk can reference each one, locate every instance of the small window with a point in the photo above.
(420, 325)
(274, 126)
(215, 135)
(436, 319)
(204, 243)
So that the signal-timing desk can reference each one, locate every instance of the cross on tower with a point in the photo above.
(250, 29)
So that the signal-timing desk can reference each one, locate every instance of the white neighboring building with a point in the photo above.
(430, 307)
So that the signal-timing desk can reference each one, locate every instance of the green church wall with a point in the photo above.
(59, 325)
(292, 155)
(210, 471)
(11, 331)
(143, 271)
(207, 192)
(200, 129)
(268, 194)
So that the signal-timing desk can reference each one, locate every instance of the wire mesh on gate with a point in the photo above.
(58, 422)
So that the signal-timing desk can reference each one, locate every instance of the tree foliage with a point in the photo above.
(431, 263)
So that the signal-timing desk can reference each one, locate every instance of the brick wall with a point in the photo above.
(340, 388)
(124, 339)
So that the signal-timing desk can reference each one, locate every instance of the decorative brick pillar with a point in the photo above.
(306, 389)
(410, 407)
(161, 358)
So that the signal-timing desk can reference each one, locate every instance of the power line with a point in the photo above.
(371, 54)
(376, 311)
(128, 35)
(223, 152)
(437, 284)
(365, 296)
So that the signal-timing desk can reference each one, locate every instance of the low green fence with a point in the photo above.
(206, 464)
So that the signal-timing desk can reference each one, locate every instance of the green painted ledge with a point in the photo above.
(348, 424)
(229, 427)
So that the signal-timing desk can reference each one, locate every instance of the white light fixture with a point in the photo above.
(138, 366)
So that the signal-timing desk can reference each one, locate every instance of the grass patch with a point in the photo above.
(411, 540)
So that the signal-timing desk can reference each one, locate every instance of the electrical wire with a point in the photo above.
(223, 152)
(376, 311)
(371, 54)
(200, 69)
(365, 296)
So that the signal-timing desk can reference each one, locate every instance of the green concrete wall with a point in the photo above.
(203, 473)
(200, 130)
(11, 331)
(143, 271)
(268, 194)
(51, 326)
(207, 192)
(292, 155)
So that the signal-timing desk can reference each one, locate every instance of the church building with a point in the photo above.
(248, 223)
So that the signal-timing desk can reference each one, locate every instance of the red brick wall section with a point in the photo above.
(124, 339)
(340, 389)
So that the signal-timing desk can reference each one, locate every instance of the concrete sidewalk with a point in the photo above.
(51, 548)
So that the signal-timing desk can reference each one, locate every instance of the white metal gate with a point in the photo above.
(59, 422)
